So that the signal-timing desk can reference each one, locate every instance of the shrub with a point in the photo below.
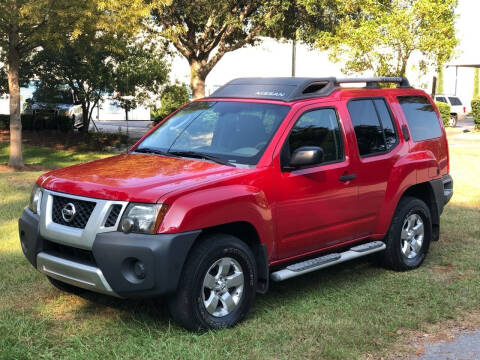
(173, 96)
(62, 123)
(476, 112)
(4, 122)
(444, 110)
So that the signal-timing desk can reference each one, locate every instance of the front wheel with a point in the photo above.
(409, 236)
(217, 286)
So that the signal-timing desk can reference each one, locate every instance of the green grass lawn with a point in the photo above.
(342, 312)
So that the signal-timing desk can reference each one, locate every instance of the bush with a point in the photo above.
(62, 123)
(476, 112)
(444, 110)
(172, 98)
(4, 122)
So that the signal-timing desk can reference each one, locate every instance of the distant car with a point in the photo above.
(457, 111)
(61, 104)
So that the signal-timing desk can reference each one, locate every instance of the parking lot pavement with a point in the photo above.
(134, 128)
(465, 346)
(466, 123)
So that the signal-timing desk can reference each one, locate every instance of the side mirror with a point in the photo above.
(305, 156)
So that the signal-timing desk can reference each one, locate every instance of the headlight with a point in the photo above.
(142, 218)
(35, 199)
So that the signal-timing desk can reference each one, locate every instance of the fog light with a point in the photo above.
(139, 270)
(127, 225)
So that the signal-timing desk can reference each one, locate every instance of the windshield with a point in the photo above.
(236, 132)
(53, 96)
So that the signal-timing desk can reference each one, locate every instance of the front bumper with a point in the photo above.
(118, 264)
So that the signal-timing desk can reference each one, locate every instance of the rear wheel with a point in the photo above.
(409, 236)
(453, 120)
(218, 283)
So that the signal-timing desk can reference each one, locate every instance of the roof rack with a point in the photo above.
(374, 82)
(295, 88)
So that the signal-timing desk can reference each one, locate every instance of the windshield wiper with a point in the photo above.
(199, 155)
(148, 150)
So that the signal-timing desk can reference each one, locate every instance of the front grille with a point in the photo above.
(83, 210)
(113, 216)
(69, 252)
(44, 114)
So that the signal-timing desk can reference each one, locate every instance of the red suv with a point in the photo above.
(266, 179)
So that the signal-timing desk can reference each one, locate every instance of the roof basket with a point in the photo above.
(293, 88)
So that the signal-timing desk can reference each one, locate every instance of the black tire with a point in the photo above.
(187, 304)
(393, 257)
(64, 286)
(453, 120)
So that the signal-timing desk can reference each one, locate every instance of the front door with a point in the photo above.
(316, 206)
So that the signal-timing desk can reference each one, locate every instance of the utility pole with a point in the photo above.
(294, 55)
(434, 87)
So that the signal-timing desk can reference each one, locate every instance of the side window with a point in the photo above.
(421, 117)
(441, 99)
(317, 128)
(455, 101)
(373, 124)
(387, 123)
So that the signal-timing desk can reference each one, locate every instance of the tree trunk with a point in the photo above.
(85, 118)
(16, 158)
(197, 79)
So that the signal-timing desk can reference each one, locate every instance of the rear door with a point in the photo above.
(316, 206)
(377, 150)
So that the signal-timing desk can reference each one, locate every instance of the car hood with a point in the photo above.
(133, 177)
(49, 106)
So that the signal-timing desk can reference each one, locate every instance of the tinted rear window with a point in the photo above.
(441, 99)
(454, 101)
(421, 117)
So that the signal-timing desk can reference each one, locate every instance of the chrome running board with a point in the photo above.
(322, 262)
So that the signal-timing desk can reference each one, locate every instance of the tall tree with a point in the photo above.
(23, 26)
(107, 44)
(139, 75)
(26, 26)
(383, 37)
(440, 86)
(475, 83)
(84, 63)
(204, 31)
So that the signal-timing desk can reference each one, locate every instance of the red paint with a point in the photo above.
(295, 213)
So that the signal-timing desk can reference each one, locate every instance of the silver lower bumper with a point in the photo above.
(74, 273)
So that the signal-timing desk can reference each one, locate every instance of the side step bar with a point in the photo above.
(321, 262)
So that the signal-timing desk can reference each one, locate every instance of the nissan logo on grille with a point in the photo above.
(68, 212)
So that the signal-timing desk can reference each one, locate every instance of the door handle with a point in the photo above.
(348, 177)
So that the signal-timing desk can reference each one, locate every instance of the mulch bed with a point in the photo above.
(74, 141)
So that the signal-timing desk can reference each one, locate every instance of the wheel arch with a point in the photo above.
(426, 191)
(248, 234)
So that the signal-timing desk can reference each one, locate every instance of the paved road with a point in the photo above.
(135, 128)
(464, 347)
